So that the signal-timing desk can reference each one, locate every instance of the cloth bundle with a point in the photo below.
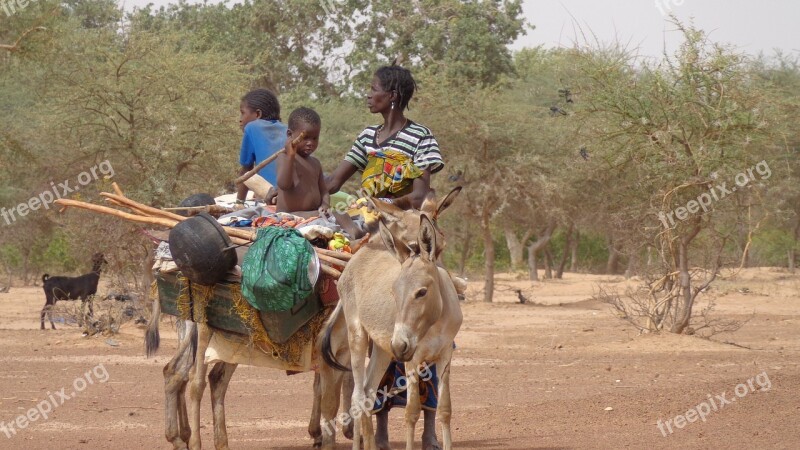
(277, 272)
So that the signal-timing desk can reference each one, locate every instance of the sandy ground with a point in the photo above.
(561, 373)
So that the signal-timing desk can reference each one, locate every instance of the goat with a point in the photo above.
(71, 288)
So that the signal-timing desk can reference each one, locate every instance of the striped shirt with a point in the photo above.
(413, 140)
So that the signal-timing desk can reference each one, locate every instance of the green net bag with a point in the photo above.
(275, 271)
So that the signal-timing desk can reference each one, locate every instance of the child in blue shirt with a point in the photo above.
(264, 135)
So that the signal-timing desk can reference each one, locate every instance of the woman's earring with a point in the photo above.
(392, 105)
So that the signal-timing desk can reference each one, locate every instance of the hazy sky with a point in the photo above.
(751, 25)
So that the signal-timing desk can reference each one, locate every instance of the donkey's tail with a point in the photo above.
(328, 354)
(152, 339)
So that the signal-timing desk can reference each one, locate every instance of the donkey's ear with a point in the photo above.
(447, 201)
(429, 204)
(427, 238)
(396, 247)
(385, 208)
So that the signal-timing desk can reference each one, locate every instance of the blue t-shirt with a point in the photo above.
(262, 139)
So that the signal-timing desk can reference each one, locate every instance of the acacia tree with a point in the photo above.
(164, 117)
(503, 171)
(782, 79)
(331, 47)
(462, 40)
(671, 140)
(546, 80)
(283, 45)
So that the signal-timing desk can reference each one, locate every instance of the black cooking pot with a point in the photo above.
(202, 250)
(196, 200)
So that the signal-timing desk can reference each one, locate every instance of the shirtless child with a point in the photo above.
(301, 187)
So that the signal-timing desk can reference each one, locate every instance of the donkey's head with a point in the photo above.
(404, 224)
(416, 290)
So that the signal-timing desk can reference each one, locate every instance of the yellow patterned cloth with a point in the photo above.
(389, 174)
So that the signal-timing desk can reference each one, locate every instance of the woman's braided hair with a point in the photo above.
(265, 101)
(399, 79)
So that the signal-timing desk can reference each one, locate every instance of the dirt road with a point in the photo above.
(561, 373)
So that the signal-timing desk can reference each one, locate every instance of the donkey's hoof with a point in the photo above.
(429, 442)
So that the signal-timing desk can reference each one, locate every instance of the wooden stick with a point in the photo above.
(249, 174)
(188, 208)
(117, 213)
(361, 243)
(331, 261)
(117, 189)
(265, 162)
(238, 241)
(211, 209)
(137, 211)
(330, 271)
(334, 254)
(237, 236)
(148, 209)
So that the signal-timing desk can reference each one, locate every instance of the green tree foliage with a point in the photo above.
(667, 135)
(466, 41)
(543, 141)
(284, 45)
(80, 93)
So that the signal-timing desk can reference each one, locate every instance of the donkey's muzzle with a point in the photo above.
(402, 349)
(403, 344)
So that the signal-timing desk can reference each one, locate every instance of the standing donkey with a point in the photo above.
(417, 324)
(182, 424)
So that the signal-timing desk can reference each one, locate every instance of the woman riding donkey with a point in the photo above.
(397, 159)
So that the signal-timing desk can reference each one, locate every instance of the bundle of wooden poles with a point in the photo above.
(331, 261)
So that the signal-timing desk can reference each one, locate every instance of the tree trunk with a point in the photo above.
(465, 250)
(488, 248)
(516, 247)
(25, 274)
(744, 249)
(567, 248)
(793, 249)
(685, 280)
(612, 265)
(686, 290)
(533, 270)
(548, 263)
(533, 250)
(629, 270)
(573, 262)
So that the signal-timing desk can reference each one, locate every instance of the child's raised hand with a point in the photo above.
(291, 144)
(290, 150)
